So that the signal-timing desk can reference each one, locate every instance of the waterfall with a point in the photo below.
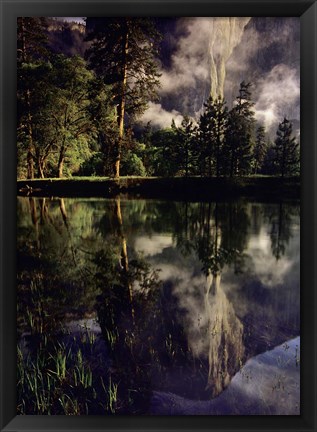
(225, 35)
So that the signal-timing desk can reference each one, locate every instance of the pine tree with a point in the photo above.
(260, 149)
(123, 52)
(211, 133)
(32, 56)
(162, 159)
(286, 150)
(104, 119)
(146, 140)
(184, 155)
(239, 137)
(32, 39)
(268, 166)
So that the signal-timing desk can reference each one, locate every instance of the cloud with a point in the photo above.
(199, 44)
(79, 20)
(205, 47)
(189, 63)
(269, 271)
(153, 245)
(278, 96)
(185, 82)
(267, 55)
(159, 117)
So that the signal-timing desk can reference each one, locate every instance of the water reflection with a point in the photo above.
(216, 333)
(267, 384)
(184, 293)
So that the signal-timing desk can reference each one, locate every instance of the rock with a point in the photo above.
(268, 384)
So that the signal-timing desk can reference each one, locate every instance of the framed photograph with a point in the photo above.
(158, 207)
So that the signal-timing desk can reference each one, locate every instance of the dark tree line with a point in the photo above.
(223, 143)
(76, 116)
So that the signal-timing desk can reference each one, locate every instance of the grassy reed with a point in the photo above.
(60, 380)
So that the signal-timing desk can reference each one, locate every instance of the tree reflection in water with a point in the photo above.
(186, 333)
(218, 333)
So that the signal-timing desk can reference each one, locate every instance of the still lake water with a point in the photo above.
(175, 308)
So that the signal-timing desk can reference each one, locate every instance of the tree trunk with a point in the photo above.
(283, 158)
(41, 172)
(40, 168)
(124, 252)
(209, 163)
(121, 107)
(30, 157)
(63, 210)
(218, 151)
(61, 163)
(30, 164)
(43, 210)
(231, 165)
(35, 221)
(30, 160)
(186, 159)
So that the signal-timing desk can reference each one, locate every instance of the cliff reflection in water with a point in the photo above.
(184, 293)
(216, 333)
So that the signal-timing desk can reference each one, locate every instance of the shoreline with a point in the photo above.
(184, 188)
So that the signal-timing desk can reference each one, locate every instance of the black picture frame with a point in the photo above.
(307, 11)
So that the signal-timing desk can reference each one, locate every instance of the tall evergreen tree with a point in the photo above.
(31, 55)
(123, 52)
(184, 155)
(286, 150)
(211, 133)
(146, 139)
(260, 149)
(268, 166)
(44, 135)
(280, 230)
(162, 160)
(104, 118)
(239, 137)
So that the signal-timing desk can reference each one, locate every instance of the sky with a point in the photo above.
(212, 55)
(237, 295)
(74, 19)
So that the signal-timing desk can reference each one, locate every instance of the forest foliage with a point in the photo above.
(78, 115)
